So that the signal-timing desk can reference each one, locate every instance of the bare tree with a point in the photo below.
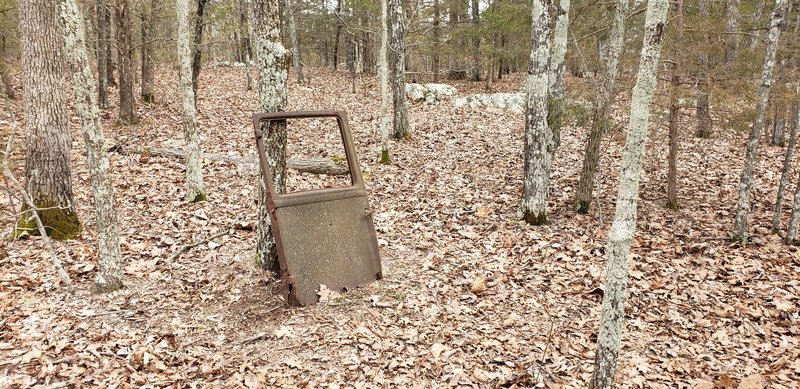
(194, 167)
(273, 94)
(384, 84)
(746, 181)
(702, 111)
(731, 30)
(103, 35)
(47, 165)
(110, 275)
(437, 39)
(402, 128)
(601, 120)
(127, 110)
(539, 139)
(148, 32)
(298, 65)
(197, 48)
(557, 84)
(609, 339)
(476, 41)
(674, 109)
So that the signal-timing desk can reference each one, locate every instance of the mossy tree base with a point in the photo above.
(60, 223)
(197, 197)
(148, 99)
(385, 160)
(534, 219)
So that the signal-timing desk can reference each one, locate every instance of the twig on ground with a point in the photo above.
(190, 246)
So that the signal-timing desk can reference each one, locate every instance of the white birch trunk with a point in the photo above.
(602, 117)
(191, 132)
(539, 139)
(110, 275)
(609, 339)
(273, 94)
(384, 84)
(746, 181)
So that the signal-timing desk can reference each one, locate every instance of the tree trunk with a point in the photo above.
(746, 182)
(195, 190)
(103, 33)
(246, 32)
(298, 66)
(402, 128)
(384, 69)
(702, 111)
(732, 30)
(197, 49)
(557, 84)
(338, 35)
(437, 39)
(47, 164)
(620, 237)
(779, 132)
(272, 91)
(148, 26)
(476, 42)
(6, 87)
(674, 110)
(539, 139)
(601, 120)
(109, 276)
(787, 163)
(127, 112)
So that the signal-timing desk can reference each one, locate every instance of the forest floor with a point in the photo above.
(702, 312)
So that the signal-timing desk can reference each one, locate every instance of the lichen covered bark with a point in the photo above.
(746, 180)
(272, 91)
(539, 140)
(601, 120)
(48, 144)
(109, 276)
(402, 129)
(609, 338)
(195, 189)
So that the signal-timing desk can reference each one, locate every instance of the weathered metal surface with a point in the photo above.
(323, 236)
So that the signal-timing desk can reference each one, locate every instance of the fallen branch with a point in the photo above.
(32, 209)
(190, 246)
(313, 165)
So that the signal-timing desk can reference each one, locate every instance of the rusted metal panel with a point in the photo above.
(323, 236)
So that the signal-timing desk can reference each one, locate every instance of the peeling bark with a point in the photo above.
(620, 237)
(110, 274)
(746, 181)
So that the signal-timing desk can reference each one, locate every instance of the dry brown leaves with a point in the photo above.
(471, 296)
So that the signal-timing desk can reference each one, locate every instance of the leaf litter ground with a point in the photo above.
(471, 296)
